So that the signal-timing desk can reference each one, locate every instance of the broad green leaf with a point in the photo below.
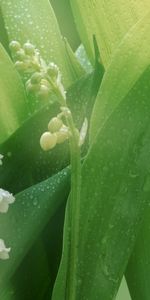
(113, 200)
(138, 269)
(28, 216)
(65, 19)
(3, 33)
(32, 279)
(76, 68)
(109, 21)
(35, 21)
(13, 107)
(128, 64)
(24, 162)
(113, 179)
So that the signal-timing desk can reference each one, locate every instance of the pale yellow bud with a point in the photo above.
(20, 66)
(32, 87)
(29, 48)
(63, 134)
(55, 124)
(52, 70)
(15, 46)
(36, 77)
(48, 141)
(43, 91)
(20, 54)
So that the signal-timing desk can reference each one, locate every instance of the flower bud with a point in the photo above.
(53, 70)
(20, 66)
(48, 141)
(36, 77)
(20, 54)
(4, 252)
(63, 134)
(43, 91)
(29, 48)
(14, 46)
(32, 87)
(55, 124)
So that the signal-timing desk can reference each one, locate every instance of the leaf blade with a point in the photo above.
(108, 20)
(13, 105)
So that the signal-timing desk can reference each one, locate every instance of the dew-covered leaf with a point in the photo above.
(28, 216)
(128, 64)
(13, 108)
(138, 270)
(108, 20)
(113, 194)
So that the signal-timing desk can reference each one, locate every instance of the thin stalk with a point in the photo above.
(75, 159)
(75, 205)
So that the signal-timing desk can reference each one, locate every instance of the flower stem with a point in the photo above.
(75, 207)
(75, 159)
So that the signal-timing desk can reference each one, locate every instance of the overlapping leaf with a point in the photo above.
(128, 64)
(113, 194)
(28, 216)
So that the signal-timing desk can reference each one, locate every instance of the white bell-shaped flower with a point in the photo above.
(6, 198)
(4, 252)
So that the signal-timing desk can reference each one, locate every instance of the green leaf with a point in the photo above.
(138, 269)
(75, 67)
(3, 35)
(13, 108)
(35, 21)
(112, 199)
(66, 21)
(109, 21)
(128, 64)
(114, 174)
(28, 216)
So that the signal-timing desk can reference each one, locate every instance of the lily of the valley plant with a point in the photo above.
(74, 150)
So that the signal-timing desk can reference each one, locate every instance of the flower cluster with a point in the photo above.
(6, 199)
(57, 133)
(44, 79)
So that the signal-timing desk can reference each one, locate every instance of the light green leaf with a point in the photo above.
(123, 293)
(76, 68)
(35, 21)
(128, 64)
(109, 21)
(13, 108)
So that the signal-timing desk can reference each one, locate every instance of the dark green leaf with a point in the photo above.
(28, 216)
